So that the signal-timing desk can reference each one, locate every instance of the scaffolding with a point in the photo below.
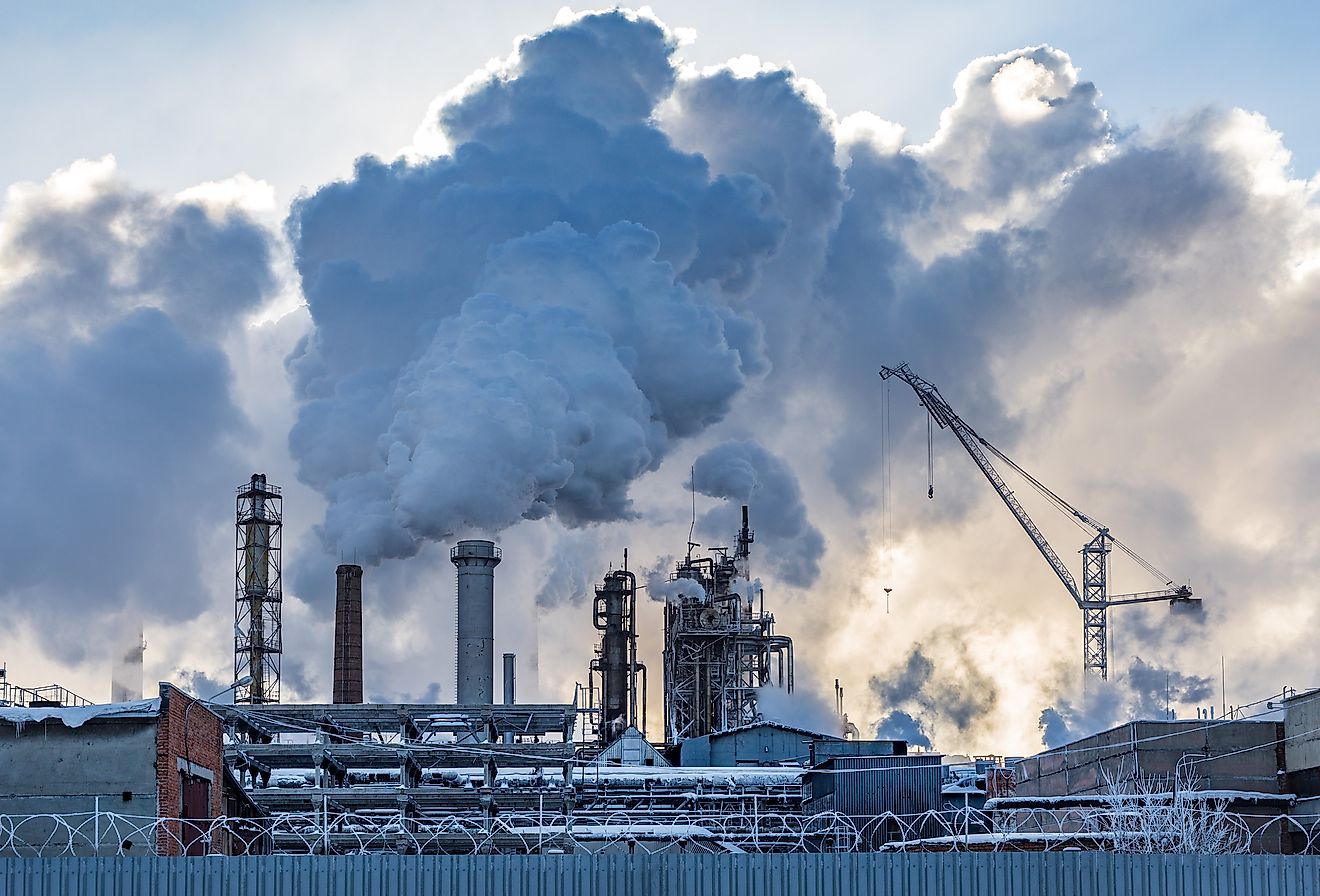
(258, 599)
(720, 648)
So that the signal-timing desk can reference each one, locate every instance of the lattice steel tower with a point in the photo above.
(720, 649)
(258, 638)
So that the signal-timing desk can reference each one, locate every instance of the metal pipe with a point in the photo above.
(510, 685)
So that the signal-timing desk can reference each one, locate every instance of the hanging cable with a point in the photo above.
(930, 455)
(886, 481)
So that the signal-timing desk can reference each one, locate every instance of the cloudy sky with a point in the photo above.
(441, 271)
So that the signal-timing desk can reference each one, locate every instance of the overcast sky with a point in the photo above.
(572, 276)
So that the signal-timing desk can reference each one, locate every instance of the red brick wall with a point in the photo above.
(199, 741)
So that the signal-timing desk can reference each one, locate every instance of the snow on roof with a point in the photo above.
(768, 723)
(77, 716)
(1002, 837)
(958, 789)
(1103, 799)
(619, 831)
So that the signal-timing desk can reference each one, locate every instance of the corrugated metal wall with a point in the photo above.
(867, 786)
(966, 874)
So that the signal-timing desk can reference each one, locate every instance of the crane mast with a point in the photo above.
(1093, 597)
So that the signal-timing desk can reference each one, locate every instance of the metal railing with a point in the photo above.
(46, 695)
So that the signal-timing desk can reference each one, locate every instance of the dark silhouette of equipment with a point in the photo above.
(614, 614)
(1093, 597)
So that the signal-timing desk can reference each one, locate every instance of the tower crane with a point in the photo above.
(1093, 597)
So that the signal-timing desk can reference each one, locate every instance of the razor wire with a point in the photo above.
(1123, 826)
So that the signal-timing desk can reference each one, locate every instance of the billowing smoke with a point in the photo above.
(745, 473)
(595, 252)
(575, 567)
(661, 588)
(523, 325)
(920, 691)
(201, 685)
(1147, 691)
(117, 397)
(803, 709)
(898, 725)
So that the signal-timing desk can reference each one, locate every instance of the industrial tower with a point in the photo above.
(258, 637)
(614, 615)
(476, 560)
(719, 647)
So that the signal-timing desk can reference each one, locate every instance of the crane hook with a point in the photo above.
(930, 456)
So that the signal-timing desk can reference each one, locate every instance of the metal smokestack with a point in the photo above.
(348, 634)
(126, 673)
(510, 687)
(476, 561)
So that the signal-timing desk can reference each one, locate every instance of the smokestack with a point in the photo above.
(348, 634)
(510, 687)
(126, 673)
(476, 561)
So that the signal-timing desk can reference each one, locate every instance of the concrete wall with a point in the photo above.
(1242, 755)
(46, 768)
(1301, 728)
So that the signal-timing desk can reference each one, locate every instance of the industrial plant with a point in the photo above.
(490, 774)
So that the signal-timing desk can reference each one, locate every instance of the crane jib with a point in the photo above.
(1093, 598)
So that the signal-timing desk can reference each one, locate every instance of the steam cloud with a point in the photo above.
(116, 396)
(956, 691)
(898, 725)
(1143, 693)
(746, 473)
(596, 252)
(800, 709)
(522, 327)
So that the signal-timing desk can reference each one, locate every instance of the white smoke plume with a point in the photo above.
(522, 327)
(599, 262)
(117, 399)
(799, 708)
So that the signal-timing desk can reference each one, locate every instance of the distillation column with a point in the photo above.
(613, 617)
(476, 561)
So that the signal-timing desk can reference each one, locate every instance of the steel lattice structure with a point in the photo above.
(719, 648)
(1093, 597)
(258, 637)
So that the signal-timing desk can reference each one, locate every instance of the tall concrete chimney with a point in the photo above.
(476, 561)
(348, 634)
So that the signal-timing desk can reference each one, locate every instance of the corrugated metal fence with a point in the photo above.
(963, 874)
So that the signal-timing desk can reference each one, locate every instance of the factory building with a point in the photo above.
(761, 743)
(890, 797)
(138, 778)
(1301, 760)
(1192, 768)
(477, 776)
